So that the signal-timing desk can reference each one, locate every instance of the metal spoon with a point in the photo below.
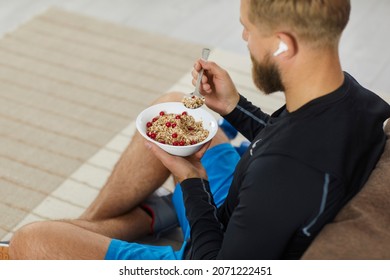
(205, 56)
(195, 99)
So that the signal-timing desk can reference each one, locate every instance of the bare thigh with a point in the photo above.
(57, 240)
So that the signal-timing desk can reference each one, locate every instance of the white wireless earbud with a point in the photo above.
(282, 48)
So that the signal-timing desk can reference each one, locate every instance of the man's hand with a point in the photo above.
(217, 87)
(181, 167)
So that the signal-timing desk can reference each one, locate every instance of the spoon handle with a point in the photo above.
(205, 56)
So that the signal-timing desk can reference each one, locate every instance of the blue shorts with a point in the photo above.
(220, 162)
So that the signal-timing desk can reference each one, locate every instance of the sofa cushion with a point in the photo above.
(361, 230)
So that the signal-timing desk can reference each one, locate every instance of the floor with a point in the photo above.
(69, 87)
(362, 53)
(364, 48)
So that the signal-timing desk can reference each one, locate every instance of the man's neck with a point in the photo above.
(312, 76)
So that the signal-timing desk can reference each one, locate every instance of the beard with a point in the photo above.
(266, 75)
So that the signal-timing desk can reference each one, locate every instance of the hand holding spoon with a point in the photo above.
(195, 99)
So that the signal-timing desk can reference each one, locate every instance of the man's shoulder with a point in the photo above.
(362, 93)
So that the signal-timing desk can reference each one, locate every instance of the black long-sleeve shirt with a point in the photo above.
(298, 172)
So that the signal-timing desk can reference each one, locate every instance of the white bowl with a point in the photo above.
(199, 114)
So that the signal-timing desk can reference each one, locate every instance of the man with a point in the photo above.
(304, 163)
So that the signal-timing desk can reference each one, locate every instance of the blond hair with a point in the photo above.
(319, 22)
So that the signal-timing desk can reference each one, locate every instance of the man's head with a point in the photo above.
(277, 30)
(316, 22)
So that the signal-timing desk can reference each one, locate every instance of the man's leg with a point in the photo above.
(113, 214)
(83, 239)
(56, 240)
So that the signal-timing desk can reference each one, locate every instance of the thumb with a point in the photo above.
(165, 158)
(203, 62)
(199, 154)
(211, 67)
(206, 65)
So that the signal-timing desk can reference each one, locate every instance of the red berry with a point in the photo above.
(155, 119)
(174, 135)
(168, 124)
(184, 113)
(153, 135)
(193, 142)
(182, 143)
(174, 125)
(178, 117)
(176, 143)
(162, 142)
(162, 113)
(149, 124)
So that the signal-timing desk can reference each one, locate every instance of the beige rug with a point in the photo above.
(68, 85)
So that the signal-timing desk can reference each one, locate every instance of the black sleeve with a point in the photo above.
(247, 118)
(201, 213)
(277, 196)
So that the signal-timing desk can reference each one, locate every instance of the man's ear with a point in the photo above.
(286, 46)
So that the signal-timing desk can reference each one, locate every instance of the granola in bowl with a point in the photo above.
(176, 129)
(193, 129)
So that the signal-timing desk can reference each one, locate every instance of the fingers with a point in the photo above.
(210, 66)
(199, 154)
(197, 66)
(195, 72)
(166, 159)
(181, 168)
(205, 86)
(195, 75)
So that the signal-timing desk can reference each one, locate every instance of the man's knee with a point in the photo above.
(27, 242)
